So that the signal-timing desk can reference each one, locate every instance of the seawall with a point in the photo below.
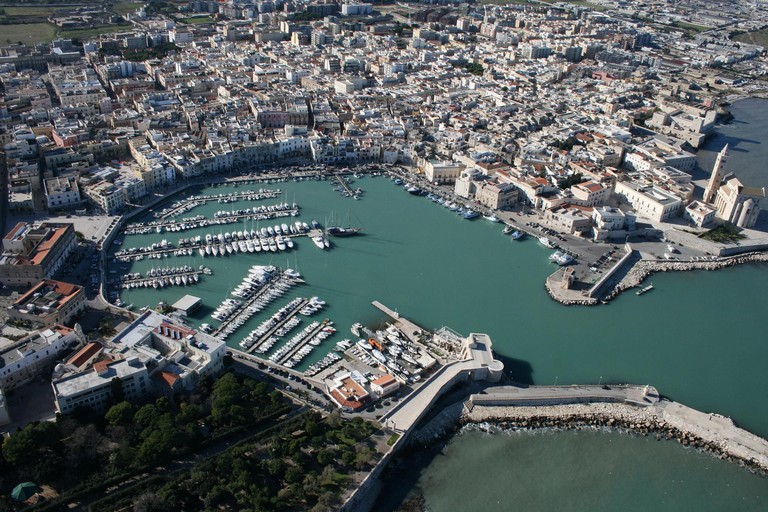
(642, 269)
(666, 420)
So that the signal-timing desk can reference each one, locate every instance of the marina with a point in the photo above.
(384, 263)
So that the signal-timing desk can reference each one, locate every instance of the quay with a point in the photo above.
(407, 327)
(277, 326)
(303, 342)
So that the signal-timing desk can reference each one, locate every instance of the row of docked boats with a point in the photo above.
(287, 311)
(460, 209)
(273, 287)
(515, 234)
(226, 214)
(163, 277)
(262, 212)
(562, 258)
(322, 364)
(292, 343)
(191, 202)
(326, 332)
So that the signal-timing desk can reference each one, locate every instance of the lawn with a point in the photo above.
(87, 33)
(28, 11)
(759, 37)
(196, 20)
(29, 33)
(126, 7)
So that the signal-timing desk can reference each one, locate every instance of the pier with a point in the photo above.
(191, 202)
(277, 326)
(267, 288)
(345, 185)
(408, 328)
(301, 344)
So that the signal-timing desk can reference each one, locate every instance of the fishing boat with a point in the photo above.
(470, 214)
(507, 229)
(517, 235)
(644, 290)
(491, 218)
(546, 242)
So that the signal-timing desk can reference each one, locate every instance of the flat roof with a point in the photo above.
(187, 303)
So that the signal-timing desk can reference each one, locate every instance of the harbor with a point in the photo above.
(398, 251)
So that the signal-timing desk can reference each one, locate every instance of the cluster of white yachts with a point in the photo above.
(162, 277)
(385, 348)
(325, 332)
(262, 286)
(267, 239)
(288, 312)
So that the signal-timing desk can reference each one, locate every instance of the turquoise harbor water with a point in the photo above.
(568, 471)
(699, 338)
(693, 337)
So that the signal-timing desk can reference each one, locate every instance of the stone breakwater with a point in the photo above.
(644, 268)
(654, 420)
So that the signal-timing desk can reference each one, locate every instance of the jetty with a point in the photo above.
(277, 326)
(268, 288)
(345, 185)
(189, 203)
(307, 338)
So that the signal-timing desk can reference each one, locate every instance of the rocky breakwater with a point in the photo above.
(664, 420)
(644, 268)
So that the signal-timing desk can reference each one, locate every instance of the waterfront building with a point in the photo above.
(699, 214)
(441, 172)
(349, 394)
(496, 195)
(35, 252)
(151, 356)
(384, 385)
(570, 218)
(738, 204)
(27, 358)
(49, 302)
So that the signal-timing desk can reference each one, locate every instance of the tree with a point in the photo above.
(120, 414)
(116, 389)
(325, 457)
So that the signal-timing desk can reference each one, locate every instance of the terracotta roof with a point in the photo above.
(168, 378)
(84, 354)
(45, 247)
(385, 380)
(15, 229)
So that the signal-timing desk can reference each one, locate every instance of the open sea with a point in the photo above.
(699, 337)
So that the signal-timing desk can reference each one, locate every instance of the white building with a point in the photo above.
(93, 388)
(27, 358)
(699, 214)
(62, 192)
(738, 204)
(650, 202)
